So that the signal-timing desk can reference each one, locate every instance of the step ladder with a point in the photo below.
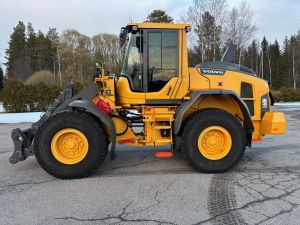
(162, 119)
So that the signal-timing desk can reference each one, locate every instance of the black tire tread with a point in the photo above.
(196, 116)
(79, 114)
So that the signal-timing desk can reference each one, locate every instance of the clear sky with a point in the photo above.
(274, 18)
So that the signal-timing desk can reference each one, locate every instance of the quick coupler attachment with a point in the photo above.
(22, 144)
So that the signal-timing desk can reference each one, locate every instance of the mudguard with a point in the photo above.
(248, 125)
(105, 119)
(23, 139)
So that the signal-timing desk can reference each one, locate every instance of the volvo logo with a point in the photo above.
(212, 72)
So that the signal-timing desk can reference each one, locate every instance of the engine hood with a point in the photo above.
(220, 67)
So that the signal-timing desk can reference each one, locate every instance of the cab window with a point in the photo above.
(132, 67)
(162, 58)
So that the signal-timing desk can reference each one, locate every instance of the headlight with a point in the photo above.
(264, 103)
(265, 106)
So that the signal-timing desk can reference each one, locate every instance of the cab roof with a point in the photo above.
(159, 25)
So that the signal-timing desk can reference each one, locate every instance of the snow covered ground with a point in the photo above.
(287, 103)
(34, 116)
(20, 117)
(1, 108)
(288, 106)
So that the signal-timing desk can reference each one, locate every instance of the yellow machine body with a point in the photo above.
(210, 112)
(158, 118)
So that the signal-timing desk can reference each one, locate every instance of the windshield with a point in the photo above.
(132, 67)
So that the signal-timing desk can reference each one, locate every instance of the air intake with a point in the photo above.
(246, 90)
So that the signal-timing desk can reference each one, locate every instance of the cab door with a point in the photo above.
(161, 65)
(130, 83)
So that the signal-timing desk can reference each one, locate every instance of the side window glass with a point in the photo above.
(132, 67)
(162, 58)
(155, 54)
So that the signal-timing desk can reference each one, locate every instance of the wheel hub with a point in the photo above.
(69, 146)
(214, 142)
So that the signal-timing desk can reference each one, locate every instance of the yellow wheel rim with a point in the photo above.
(69, 146)
(214, 142)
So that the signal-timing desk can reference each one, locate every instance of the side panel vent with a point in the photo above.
(246, 90)
(247, 96)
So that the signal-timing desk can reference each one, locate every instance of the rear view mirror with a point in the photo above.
(123, 36)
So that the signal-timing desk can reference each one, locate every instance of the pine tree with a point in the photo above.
(159, 16)
(17, 65)
(31, 48)
(293, 53)
(276, 65)
(286, 67)
(1, 78)
(52, 35)
(209, 44)
(264, 73)
(254, 56)
(44, 52)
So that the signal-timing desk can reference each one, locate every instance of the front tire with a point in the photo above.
(213, 141)
(70, 144)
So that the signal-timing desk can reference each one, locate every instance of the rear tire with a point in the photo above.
(218, 153)
(91, 132)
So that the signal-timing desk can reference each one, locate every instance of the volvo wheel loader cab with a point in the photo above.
(210, 112)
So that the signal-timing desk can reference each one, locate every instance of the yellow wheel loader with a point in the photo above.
(210, 113)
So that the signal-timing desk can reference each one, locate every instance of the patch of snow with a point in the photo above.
(30, 117)
(289, 109)
(1, 108)
(289, 106)
(288, 103)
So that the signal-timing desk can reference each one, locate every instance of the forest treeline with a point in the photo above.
(69, 57)
(53, 58)
(216, 26)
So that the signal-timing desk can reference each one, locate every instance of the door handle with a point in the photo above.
(170, 88)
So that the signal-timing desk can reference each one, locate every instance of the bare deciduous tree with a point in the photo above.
(75, 52)
(106, 49)
(216, 8)
(239, 27)
(78, 54)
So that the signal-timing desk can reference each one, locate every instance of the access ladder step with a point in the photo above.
(163, 141)
(162, 127)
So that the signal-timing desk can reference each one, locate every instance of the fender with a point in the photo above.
(62, 102)
(86, 94)
(248, 125)
(23, 138)
(84, 104)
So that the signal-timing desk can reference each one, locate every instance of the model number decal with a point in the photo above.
(212, 72)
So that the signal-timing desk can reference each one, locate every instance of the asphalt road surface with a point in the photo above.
(138, 188)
